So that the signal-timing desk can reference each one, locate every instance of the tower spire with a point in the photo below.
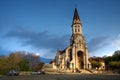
(76, 24)
(76, 16)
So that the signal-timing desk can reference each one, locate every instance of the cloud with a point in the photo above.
(39, 40)
(101, 46)
(116, 42)
(97, 43)
(47, 44)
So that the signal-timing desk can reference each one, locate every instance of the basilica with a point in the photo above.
(75, 56)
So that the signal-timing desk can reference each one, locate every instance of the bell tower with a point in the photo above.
(76, 29)
(76, 24)
(77, 42)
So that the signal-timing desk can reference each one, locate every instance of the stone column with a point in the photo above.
(66, 57)
(66, 52)
(74, 57)
(84, 61)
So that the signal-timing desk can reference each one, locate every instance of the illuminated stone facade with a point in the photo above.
(75, 56)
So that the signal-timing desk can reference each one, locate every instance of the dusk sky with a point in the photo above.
(44, 26)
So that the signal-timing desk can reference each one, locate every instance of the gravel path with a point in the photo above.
(62, 77)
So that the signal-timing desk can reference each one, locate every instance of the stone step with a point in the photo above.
(85, 71)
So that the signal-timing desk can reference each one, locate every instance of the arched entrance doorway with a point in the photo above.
(80, 59)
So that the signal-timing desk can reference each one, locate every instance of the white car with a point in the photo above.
(13, 73)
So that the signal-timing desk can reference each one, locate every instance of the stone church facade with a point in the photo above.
(75, 56)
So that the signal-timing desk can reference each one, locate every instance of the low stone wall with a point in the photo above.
(25, 73)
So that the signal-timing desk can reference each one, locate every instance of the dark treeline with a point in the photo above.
(113, 62)
(21, 61)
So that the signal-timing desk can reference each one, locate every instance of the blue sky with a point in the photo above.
(44, 26)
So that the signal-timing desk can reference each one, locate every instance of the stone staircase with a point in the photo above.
(48, 69)
(84, 71)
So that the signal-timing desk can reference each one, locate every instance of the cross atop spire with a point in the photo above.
(76, 16)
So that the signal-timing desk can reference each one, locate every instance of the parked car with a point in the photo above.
(37, 72)
(13, 73)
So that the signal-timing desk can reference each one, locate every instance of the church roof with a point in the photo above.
(61, 52)
(76, 16)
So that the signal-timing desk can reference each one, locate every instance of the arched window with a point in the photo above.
(75, 30)
(70, 55)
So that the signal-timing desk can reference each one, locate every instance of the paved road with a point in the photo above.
(62, 77)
